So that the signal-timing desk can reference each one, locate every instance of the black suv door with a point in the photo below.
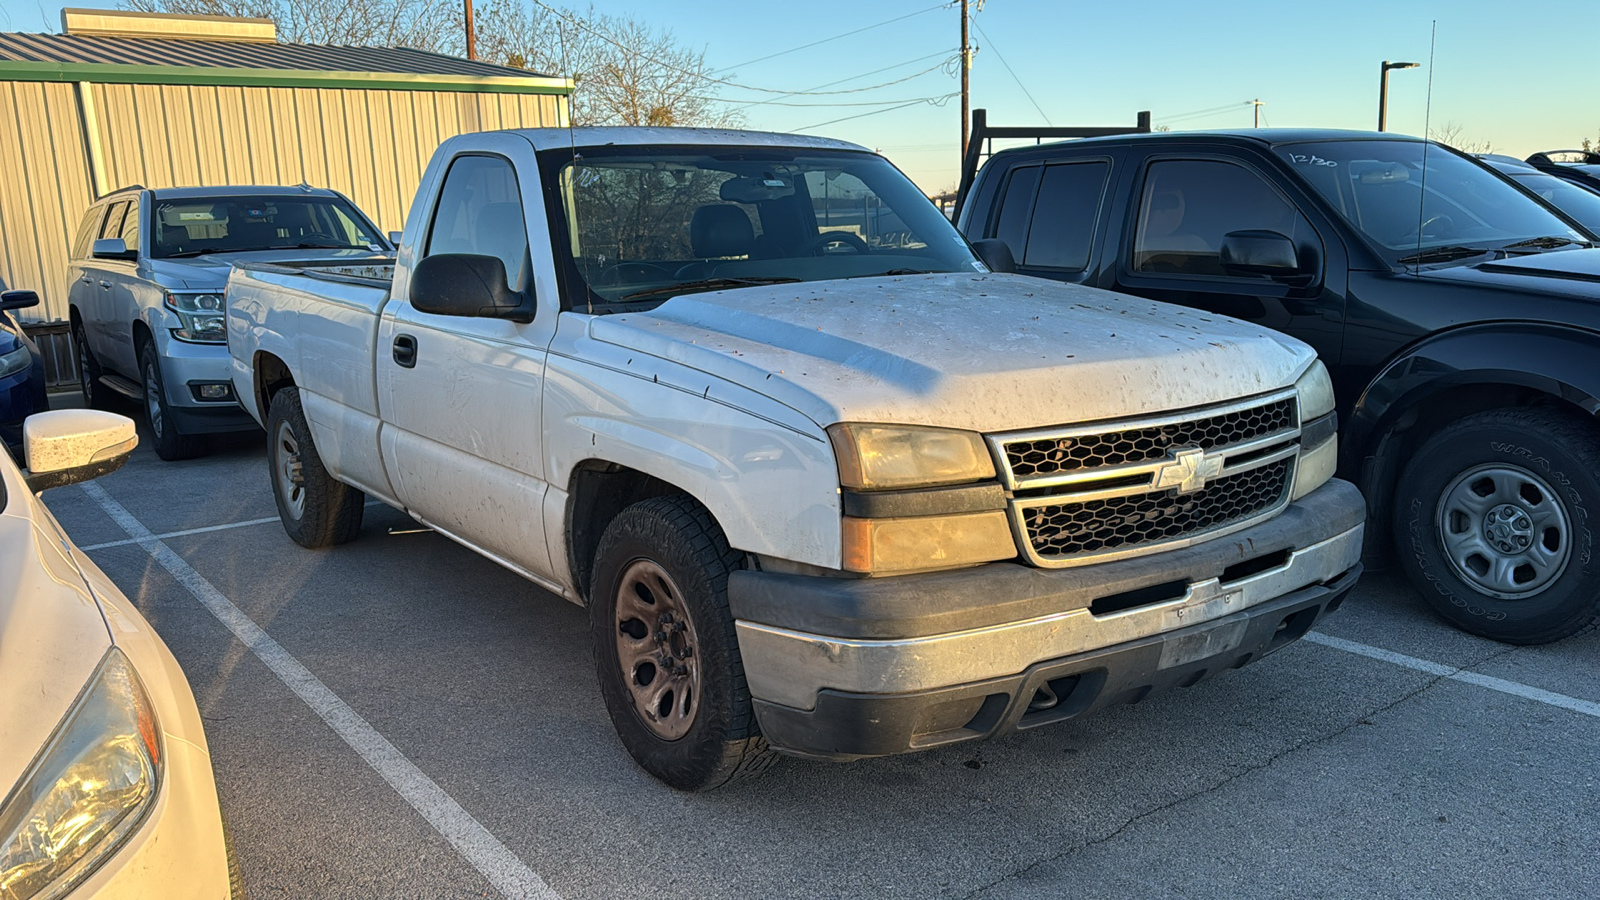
(1174, 216)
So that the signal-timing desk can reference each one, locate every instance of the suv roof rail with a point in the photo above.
(1585, 157)
(121, 190)
(982, 131)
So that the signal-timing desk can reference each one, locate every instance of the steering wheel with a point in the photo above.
(1439, 225)
(323, 236)
(635, 271)
(837, 237)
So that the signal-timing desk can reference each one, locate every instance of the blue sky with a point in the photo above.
(1507, 77)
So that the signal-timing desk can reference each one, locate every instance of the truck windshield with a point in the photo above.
(1575, 201)
(1378, 186)
(195, 226)
(644, 226)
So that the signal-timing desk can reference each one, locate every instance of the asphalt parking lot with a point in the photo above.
(400, 718)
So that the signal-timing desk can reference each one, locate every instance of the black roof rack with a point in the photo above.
(1585, 157)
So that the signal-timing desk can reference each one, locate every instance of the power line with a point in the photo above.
(942, 53)
(836, 37)
(939, 101)
(829, 105)
(996, 48)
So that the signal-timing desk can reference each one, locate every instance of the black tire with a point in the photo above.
(170, 443)
(1475, 531)
(95, 394)
(720, 741)
(317, 510)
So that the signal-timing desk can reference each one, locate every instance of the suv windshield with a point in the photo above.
(194, 226)
(644, 226)
(1378, 186)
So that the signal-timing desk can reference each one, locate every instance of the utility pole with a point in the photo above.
(1257, 104)
(966, 76)
(472, 44)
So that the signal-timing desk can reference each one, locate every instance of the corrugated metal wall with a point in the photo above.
(371, 145)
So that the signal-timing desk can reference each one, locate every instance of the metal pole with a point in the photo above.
(472, 44)
(1383, 96)
(1257, 104)
(966, 75)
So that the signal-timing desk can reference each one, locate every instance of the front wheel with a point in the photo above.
(1493, 524)
(170, 443)
(316, 509)
(665, 648)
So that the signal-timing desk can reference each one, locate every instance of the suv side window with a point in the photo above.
(86, 232)
(1189, 205)
(130, 226)
(1065, 216)
(113, 224)
(480, 212)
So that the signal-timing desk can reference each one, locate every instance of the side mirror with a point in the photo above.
(464, 284)
(996, 254)
(112, 248)
(1259, 253)
(394, 238)
(18, 300)
(72, 445)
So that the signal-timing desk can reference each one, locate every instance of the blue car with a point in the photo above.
(21, 371)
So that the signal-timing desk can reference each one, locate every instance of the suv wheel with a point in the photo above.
(1493, 524)
(170, 444)
(95, 394)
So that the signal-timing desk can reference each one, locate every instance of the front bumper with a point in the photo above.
(842, 669)
(186, 365)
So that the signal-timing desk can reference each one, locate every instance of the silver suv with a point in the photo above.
(146, 291)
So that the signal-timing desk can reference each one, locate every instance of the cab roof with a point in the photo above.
(623, 136)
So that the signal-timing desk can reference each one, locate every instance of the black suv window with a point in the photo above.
(113, 224)
(87, 231)
(480, 212)
(1189, 205)
(130, 226)
(1011, 225)
(1064, 216)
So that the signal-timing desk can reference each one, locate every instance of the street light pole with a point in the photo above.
(1383, 89)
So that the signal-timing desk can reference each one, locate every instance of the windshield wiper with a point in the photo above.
(1546, 243)
(189, 254)
(1442, 254)
(709, 284)
(893, 272)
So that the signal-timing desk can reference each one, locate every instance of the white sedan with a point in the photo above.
(106, 779)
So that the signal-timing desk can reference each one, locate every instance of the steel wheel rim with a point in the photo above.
(289, 471)
(657, 655)
(1505, 531)
(152, 397)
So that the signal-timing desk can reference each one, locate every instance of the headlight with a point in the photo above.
(87, 791)
(1319, 426)
(1316, 392)
(874, 457)
(200, 317)
(18, 360)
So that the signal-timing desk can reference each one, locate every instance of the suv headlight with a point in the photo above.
(201, 317)
(86, 792)
(1319, 431)
(18, 360)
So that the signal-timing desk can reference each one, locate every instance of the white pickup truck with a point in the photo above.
(826, 484)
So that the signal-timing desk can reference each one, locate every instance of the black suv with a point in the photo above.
(1457, 313)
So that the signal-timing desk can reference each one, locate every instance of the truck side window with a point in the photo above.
(87, 231)
(1015, 208)
(1187, 207)
(480, 212)
(130, 226)
(1065, 215)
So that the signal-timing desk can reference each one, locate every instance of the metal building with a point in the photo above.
(126, 98)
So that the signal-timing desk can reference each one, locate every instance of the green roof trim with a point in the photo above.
(104, 73)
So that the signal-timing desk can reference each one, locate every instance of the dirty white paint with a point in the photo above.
(69, 438)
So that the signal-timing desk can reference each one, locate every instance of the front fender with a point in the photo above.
(1551, 359)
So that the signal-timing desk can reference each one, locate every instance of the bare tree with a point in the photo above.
(627, 72)
(1453, 133)
(421, 24)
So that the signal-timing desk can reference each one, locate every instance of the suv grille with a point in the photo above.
(1080, 495)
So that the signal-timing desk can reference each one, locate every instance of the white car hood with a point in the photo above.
(981, 352)
(52, 634)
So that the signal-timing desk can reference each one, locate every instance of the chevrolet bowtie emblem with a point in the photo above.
(1189, 470)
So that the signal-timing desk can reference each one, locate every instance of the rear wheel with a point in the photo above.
(665, 648)
(95, 394)
(1492, 520)
(317, 510)
(169, 442)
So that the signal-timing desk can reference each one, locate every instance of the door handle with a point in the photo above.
(405, 350)
(106, 285)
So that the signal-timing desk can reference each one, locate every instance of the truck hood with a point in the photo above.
(1565, 272)
(980, 352)
(52, 634)
(211, 270)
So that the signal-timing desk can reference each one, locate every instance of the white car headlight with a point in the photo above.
(86, 792)
(1319, 426)
(201, 317)
(18, 360)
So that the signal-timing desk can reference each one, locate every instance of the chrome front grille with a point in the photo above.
(1082, 495)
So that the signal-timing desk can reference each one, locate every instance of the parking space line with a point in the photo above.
(1515, 689)
(185, 532)
(480, 848)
